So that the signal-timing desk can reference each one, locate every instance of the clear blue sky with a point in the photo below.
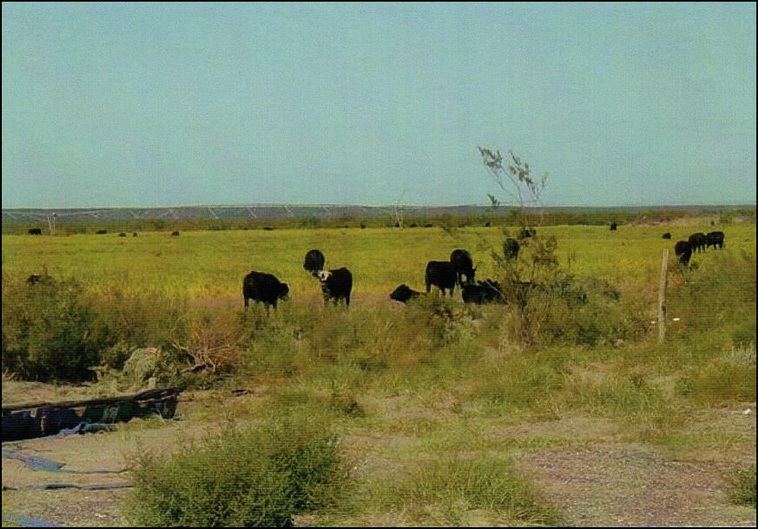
(168, 104)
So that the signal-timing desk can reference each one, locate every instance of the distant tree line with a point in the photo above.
(487, 217)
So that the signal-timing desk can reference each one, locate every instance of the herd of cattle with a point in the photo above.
(697, 242)
(459, 270)
(337, 284)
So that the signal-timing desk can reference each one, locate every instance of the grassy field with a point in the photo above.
(563, 412)
(211, 264)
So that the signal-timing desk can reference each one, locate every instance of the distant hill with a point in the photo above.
(265, 212)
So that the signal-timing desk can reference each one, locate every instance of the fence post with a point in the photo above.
(662, 296)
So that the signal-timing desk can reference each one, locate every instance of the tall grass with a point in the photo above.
(446, 491)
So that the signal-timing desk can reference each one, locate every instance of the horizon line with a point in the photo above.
(357, 205)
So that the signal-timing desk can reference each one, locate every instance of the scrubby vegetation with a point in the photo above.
(742, 489)
(259, 476)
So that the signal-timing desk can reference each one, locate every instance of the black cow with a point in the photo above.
(510, 249)
(336, 285)
(122, 234)
(715, 239)
(264, 288)
(666, 235)
(175, 234)
(440, 274)
(614, 226)
(487, 291)
(404, 294)
(35, 231)
(101, 232)
(683, 251)
(314, 261)
(698, 241)
(464, 266)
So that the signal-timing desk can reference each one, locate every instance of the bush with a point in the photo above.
(716, 299)
(256, 477)
(742, 486)
(48, 330)
(573, 310)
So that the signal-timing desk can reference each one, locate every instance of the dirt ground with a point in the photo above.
(601, 481)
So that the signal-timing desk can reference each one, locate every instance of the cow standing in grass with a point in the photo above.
(263, 288)
(683, 251)
(441, 274)
(715, 239)
(336, 285)
(464, 266)
(698, 241)
(314, 262)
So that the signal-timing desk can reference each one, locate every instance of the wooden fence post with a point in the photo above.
(662, 297)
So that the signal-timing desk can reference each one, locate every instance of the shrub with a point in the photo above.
(571, 309)
(716, 299)
(742, 486)
(253, 477)
(48, 330)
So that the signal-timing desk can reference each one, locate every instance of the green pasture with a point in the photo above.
(211, 264)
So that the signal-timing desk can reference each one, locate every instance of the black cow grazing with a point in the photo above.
(175, 234)
(464, 266)
(666, 235)
(441, 274)
(264, 288)
(614, 226)
(314, 261)
(510, 249)
(404, 294)
(35, 231)
(683, 251)
(336, 285)
(134, 234)
(715, 239)
(122, 234)
(698, 241)
(101, 232)
(487, 291)
(526, 233)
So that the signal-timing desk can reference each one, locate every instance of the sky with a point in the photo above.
(181, 104)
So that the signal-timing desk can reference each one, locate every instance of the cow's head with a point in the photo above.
(323, 275)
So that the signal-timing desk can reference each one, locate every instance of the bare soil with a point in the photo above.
(600, 479)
